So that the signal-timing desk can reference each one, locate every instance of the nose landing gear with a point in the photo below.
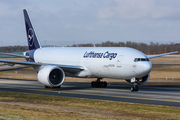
(134, 86)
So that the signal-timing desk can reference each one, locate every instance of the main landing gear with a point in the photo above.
(98, 83)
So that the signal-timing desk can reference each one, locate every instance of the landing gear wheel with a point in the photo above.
(103, 84)
(93, 84)
(98, 84)
(47, 87)
(134, 88)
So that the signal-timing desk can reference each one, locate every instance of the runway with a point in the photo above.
(156, 95)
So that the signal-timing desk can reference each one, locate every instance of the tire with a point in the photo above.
(136, 88)
(103, 84)
(93, 84)
(47, 87)
(132, 88)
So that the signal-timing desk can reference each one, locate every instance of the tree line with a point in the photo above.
(151, 48)
(10, 49)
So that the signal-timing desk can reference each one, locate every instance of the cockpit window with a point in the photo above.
(143, 59)
(140, 59)
(147, 59)
(135, 60)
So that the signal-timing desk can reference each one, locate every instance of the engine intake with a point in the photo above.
(143, 80)
(51, 76)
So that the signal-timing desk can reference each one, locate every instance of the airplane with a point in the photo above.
(53, 64)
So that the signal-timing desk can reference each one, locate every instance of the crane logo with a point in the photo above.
(30, 36)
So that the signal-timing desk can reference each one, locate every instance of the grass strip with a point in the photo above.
(47, 107)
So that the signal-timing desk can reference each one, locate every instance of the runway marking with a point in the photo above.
(138, 91)
(97, 94)
(124, 97)
(4, 81)
(106, 89)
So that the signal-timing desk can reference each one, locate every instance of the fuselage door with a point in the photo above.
(119, 61)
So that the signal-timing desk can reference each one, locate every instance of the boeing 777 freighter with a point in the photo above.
(53, 64)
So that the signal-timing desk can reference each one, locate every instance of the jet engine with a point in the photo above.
(51, 76)
(142, 80)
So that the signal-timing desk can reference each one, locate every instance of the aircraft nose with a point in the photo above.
(147, 66)
(142, 68)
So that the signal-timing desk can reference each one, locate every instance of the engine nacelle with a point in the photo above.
(51, 76)
(142, 80)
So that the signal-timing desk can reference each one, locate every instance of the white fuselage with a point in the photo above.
(101, 62)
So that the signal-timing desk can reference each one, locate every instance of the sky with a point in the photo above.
(67, 22)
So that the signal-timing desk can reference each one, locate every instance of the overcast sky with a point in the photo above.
(64, 22)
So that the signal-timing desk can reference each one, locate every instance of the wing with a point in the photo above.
(165, 63)
(67, 68)
(154, 56)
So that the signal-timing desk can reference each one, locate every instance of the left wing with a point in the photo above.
(67, 68)
(154, 56)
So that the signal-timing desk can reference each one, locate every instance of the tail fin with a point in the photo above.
(33, 42)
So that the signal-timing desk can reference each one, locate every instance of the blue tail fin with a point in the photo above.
(33, 42)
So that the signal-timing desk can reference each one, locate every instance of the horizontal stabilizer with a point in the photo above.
(15, 55)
